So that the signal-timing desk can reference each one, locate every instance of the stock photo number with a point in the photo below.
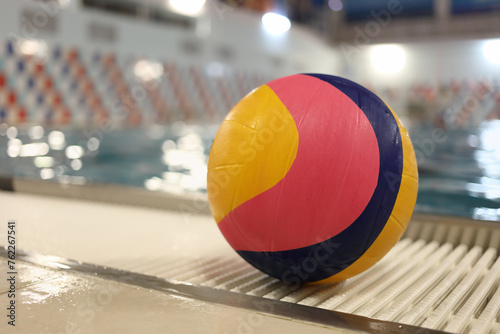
(11, 272)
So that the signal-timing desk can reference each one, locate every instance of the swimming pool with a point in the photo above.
(459, 169)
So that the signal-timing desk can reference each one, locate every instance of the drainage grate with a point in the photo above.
(442, 275)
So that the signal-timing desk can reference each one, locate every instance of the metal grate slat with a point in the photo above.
(363, 296)
(399, 285)
(474, 301)
(439, 317)
(440, 276)
(439, 292)
(370, 277)
(421, 286)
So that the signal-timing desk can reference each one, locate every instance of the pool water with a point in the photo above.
(459, 169)
(461, 175)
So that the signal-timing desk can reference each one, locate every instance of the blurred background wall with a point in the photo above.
(403, 50)
(132, 92)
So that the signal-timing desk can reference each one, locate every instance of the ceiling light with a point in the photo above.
(275, 24)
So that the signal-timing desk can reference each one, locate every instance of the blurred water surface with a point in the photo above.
(459, 169)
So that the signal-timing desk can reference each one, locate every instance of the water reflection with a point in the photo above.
(186, 161)
(34, 149)
(76, 164)
(47, 173)
(461, 176)
(488, 156)
(43, 162)
(14, 147)
(11, 132)
(35, 152)
(93, 144)
(36, 132)
(57, 140)
(74, 152)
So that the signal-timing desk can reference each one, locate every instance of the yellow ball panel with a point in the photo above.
(252, 151)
